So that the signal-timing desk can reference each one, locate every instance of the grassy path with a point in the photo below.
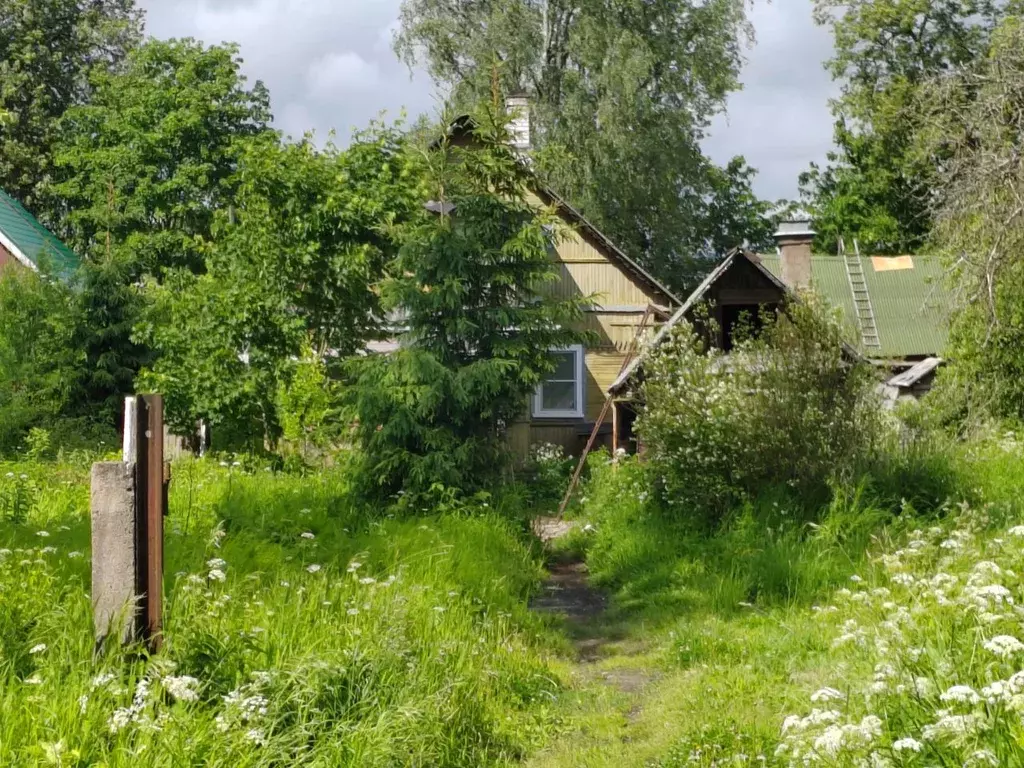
(614, 672)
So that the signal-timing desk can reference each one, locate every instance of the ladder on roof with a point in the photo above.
(861, 297)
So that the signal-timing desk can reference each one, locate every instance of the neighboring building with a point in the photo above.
(25, 243)
(895, 309)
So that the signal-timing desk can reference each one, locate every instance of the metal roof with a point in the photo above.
(911, 306)
(30, 242)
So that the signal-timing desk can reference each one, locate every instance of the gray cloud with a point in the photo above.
(780, 120)
(329, 65)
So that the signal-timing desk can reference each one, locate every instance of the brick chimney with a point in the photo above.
(518, 108)
(793, 238)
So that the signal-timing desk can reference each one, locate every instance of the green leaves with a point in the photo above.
(288, 283)
(474, 328)
(620, 96)
(49, 51)
(878, 186)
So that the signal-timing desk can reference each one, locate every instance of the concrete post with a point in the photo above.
(115, 552)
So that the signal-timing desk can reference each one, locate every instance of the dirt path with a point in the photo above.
(568, 594)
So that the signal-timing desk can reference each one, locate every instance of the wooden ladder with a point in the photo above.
(861, 297)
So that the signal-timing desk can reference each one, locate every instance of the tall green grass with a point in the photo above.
(301, 628)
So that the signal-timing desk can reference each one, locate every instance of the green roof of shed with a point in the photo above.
(32, 241)
(911, 306)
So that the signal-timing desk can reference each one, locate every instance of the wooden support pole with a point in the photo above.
(615, 429)
(149, 429)
(608, 403)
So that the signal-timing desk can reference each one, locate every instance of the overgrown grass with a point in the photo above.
(740, 627)
(301, 629)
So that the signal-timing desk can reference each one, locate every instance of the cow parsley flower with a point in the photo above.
(182, 688)
(906, 744)
(962, 694)
(217, 574)
(37, 648)
(313, 567)
(1003, 646)
(827, 694)
(307, 535)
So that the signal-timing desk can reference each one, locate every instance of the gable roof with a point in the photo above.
(752, 259)
(910, 301)
(30, 242)
(464, 124)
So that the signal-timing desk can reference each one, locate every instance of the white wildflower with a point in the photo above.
(182, 688)
(827, 694)
(962, 694)
(1004, 646)
(37, 648)
(906, 744)
(313, 567)
(307, 535)
(216, 574)
(42, 534)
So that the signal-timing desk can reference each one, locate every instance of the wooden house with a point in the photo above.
(894, 309)
(27, 244)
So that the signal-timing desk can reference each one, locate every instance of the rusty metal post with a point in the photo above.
(150, 505)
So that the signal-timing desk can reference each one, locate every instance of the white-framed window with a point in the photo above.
(560, 395)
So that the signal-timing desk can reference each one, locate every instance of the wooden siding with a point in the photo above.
(586, 270)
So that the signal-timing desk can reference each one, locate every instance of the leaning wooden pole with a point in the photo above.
(608, 403)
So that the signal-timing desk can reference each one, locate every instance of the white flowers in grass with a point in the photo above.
(827, 694)
(307, 535)
(313, 567)
(960, 694)
(951, 727)
(216, 574)
(1004, 646)
(37, 648)
(906, 744)
(183, 688)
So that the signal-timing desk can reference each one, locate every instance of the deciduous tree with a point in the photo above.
(877, 185)
(621, 95)
(49, 51)
(289, 279)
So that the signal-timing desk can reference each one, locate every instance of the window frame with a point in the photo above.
(539, 412)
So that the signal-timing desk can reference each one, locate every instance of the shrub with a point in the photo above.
(791, 408)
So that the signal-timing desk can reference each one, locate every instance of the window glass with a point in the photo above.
(561, 393)
(559, 396)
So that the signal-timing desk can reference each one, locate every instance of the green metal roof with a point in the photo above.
(911, 306)
(32, 241)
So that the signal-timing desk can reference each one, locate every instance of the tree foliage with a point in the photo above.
(147, 162)
(878, 183)
(977, 119)
(467, 290)
(621, 95)
(288, 279)
(140, 171)
(40, 366)
(49, 51)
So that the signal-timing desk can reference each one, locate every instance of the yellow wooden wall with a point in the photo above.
(586, 271)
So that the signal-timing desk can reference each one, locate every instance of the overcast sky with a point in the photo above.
(329, 64)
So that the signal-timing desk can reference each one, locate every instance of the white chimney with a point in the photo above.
(518, 108)
(794, 237)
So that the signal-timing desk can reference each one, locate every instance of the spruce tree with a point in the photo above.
(470, 291)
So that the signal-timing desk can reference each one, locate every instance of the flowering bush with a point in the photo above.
(788, 408)
(547, 471)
